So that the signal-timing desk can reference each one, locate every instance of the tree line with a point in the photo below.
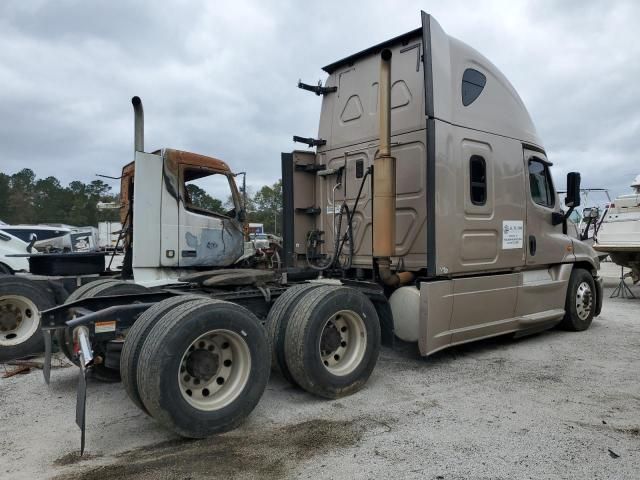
(27, 199)
(24, 198)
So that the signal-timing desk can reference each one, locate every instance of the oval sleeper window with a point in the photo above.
(473, 83)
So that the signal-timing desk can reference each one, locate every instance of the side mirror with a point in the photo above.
(32, 240)
(572, 199)
(242, 216)
(586, 212)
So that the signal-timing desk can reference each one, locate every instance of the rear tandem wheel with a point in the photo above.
(203, 367)
(332, 341)
(135, 339)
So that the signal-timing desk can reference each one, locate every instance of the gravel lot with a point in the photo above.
(555, 405)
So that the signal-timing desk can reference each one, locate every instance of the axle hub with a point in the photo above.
(203, 364)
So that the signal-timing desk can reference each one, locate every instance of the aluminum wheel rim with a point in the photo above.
(224, 380)
(584, 301)
(19, 320)
(349, 337)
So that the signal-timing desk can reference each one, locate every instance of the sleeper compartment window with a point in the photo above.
(473, 83)
(478, 180)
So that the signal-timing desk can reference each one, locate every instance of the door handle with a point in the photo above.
(532, 245)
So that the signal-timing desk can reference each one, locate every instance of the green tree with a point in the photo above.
(201, 199)
(49, 201)
(20, 203)
(4, 197)
(267, 208)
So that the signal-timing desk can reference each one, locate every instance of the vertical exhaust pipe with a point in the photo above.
(138, 124)
(384, 185)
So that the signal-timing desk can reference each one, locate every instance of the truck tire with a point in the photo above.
(79, 292)
(21, 301)
(203, 367)
(99, 288)
(580, 305)
(276, 325)
(63, 337)
(332, 341)
(136, 337)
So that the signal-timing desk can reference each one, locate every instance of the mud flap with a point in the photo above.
(599, 294)
(86, 358)
(46, 367)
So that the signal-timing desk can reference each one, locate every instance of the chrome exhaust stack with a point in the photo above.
(138, 124)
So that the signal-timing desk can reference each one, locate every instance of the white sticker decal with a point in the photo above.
(333, 209)
(512, 233)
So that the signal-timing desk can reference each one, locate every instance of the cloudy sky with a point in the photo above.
(219, 78)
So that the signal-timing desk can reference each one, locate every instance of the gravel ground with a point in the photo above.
(554, 405)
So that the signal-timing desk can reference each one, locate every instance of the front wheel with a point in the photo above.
(580, 305)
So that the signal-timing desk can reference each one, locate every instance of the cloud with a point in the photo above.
(220, 79)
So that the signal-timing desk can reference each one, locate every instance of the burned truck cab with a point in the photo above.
(181, 210)
(429, 177)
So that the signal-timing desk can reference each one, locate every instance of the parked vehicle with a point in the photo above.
(47, 237)
(109, 234)
(10, 245)
(441, 228)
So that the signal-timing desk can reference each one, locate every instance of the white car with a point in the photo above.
(10, 245)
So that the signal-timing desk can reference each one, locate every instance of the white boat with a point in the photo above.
(619, 233)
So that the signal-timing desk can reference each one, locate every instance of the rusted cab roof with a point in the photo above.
(182, 157)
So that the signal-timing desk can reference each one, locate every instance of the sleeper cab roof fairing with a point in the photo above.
(496, 109)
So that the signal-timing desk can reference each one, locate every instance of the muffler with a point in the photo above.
(384, 185)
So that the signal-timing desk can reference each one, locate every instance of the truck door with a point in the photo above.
(210, 233)
(545, 243)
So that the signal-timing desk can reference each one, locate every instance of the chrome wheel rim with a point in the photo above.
(214, 370)
(343, 342)
(19, 320)
(584, 301)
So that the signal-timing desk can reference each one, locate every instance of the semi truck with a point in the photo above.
(424, 210)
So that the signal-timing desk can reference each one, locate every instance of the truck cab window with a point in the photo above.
(478, 180)
(206, 192)
(540, 183)
(473, 83)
